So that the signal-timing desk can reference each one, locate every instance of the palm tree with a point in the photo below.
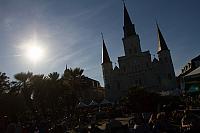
(48, 94)
(24, 80)
(73, 82)
(74, 79)
(39, 92)
(15, 87)
(4, 82)
(57, 94)
(53, 76)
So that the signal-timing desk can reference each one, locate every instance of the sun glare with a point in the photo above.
(35, 53)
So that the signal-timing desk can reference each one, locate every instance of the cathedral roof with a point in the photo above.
(161, 41)
(105, 56)
(129, 28)
(155, 60)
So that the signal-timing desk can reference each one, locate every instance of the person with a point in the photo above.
(59, 129)
(36, 130)
(3, 124)
(18, 128)
(11, 128)
(152, 121)
(185, 122)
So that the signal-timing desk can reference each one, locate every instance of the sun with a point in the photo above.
(34, 53)
(34, 50)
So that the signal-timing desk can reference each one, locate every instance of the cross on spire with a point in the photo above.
(102, 36)
(123, 1)
(66, 67)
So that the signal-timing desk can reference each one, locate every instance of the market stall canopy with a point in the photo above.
(93, 103)
(82, 105)
(194, 73)
(105, 102)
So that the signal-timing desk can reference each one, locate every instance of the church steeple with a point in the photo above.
(161, 41)
(129, 28)
(105, 56)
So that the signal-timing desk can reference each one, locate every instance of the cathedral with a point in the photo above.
(136, 68)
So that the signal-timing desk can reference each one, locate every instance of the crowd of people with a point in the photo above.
(174, 121)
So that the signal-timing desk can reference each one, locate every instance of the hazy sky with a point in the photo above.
(69, 31)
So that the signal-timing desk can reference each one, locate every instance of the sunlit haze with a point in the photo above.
(34, 53)
(69, 32)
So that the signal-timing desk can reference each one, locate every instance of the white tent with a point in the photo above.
(82, 105)
(93, 103)
(105, 102)
(194, 73)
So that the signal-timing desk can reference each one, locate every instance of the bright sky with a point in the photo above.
(69, 30)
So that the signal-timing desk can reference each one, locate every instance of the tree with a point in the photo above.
(4, 82)
(23, 79)
(38, 91)
(24, 86)
(53, 76)
(73, 78)
(47, 95)
(15, 87)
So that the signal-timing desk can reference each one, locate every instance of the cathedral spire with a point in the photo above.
(66, 67)
(129, 28)
(161, 41)
(105, 56)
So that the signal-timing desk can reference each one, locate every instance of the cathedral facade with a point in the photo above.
(136, 68)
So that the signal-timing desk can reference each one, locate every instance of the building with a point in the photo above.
(88, 89)
(192, 81)
(190, 66)
(94, 90)
(189, 75)
(91, 82)
(136, 68)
